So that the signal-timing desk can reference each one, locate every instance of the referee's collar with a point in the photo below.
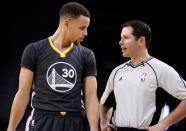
(140, 64)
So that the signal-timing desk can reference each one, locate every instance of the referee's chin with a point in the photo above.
(125, 55)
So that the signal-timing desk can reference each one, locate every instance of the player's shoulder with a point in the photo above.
(84, 50)
(37, 45)
(40, 43)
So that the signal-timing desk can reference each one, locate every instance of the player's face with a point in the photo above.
(128, 42)
(77, 29)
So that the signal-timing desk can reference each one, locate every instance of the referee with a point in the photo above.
(130, 101)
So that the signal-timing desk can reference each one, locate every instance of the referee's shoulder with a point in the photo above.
(160, 65)
(120, 66)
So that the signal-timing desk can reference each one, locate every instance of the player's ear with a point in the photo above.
(66, 22)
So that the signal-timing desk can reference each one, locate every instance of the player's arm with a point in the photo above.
(21, 99)
(91, 102)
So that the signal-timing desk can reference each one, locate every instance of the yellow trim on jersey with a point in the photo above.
(62, 54)
(68, 49)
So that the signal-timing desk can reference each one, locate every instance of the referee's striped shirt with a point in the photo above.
(135, 90)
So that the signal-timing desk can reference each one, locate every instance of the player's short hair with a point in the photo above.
(73, 10)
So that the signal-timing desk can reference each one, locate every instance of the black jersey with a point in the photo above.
(58, 77)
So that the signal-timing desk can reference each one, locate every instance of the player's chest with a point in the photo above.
(64, 66)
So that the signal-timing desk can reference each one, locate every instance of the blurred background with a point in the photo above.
(26, 21)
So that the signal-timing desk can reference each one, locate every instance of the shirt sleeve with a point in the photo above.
(173, 83)
(28, 59)
(90, 65)
(108, 97)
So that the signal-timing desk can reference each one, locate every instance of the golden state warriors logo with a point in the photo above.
(61, 77)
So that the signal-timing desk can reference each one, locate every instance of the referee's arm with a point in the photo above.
(105, 117)
(178, 114)
(107, 104)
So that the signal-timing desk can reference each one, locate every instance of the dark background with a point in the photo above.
(25, 21)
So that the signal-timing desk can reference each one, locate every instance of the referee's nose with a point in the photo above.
(120, 42)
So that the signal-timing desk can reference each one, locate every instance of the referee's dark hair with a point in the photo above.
(140, 29)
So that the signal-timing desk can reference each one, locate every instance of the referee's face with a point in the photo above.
(128, 42)
(77, 29)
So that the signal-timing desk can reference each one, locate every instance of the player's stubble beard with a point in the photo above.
(76, 42)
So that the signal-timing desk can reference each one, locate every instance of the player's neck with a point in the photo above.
(59, 41)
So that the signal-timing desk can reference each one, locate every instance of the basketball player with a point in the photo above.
(56, 70)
